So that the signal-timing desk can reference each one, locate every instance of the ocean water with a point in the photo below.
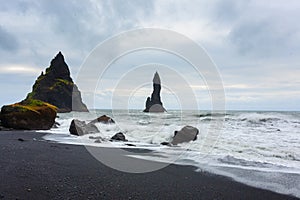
(258, 148)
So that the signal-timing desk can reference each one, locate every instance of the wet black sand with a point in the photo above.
(36, 169)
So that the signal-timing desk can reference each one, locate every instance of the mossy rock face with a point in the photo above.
(57, 87)
(29, 115)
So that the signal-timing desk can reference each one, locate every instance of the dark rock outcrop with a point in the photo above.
(78, 127)
(154, 103)
(118, 137)
(56, 87)
(28, 115)
(2, 128)
(165, 143)
(103, 119)
(56, 125)
(131, 145)
(186, 134)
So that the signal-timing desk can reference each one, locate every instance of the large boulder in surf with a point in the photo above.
(186, 134)
(28, 115)
(119, 137)
(103, 119)
(78, 127)
(56, 87)
(154, 103)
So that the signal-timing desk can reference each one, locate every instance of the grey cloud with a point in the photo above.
(73, 27)
(229, 10)
(68, 20)
(86, 26)
(125, 8)
(264, 30)
(261, 38)
(8, 41)
(17, 5)
(260, 33)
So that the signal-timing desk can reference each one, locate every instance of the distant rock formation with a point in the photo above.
(154, 103)
(28, 115)
(57, 87)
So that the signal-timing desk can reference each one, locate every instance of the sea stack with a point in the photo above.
(154, 103)
(56, 87)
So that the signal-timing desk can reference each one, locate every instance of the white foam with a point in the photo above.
(261, 143)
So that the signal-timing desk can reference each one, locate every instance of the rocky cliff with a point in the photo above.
(56, 87)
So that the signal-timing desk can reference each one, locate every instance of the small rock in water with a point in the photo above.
(165, 143)
(119, 137)
(97, 141)
(103, 119)
(56, 125)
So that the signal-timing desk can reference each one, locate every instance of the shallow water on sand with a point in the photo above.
(257, 148)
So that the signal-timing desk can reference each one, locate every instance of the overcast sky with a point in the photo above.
(254, 44)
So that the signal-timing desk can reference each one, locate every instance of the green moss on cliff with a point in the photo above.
(48, 70)
(64, 81)
(60, 83)
(29, 114)
(36, 85)
(32, 105)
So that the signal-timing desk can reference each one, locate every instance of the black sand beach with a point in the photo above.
(37, 169)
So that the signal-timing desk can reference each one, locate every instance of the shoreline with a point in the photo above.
(36, 168)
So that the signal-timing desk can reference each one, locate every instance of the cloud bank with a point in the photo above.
(253, 43)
